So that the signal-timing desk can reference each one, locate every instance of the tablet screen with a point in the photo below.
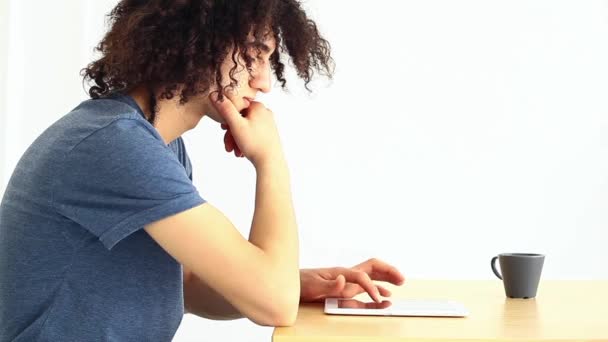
(397, 307)
(357, 304)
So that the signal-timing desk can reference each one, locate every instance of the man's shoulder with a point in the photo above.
(98, 113)
(105, 117)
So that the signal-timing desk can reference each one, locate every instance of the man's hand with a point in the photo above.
(252, 134)
(340, 282)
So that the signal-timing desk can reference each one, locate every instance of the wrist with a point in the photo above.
(270, 161)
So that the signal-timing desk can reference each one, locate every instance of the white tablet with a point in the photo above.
(396, 307)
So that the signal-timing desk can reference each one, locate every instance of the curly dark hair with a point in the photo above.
(165, 44)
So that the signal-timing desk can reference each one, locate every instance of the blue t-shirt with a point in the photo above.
(75, 263)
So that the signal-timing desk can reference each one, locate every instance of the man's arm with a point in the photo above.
(316, 284)
(260, 276)
(278, 241)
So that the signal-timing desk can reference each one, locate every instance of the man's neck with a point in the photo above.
(171, 119)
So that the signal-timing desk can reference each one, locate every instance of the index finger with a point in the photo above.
(379, 270)
(362, 279)
(226, 109)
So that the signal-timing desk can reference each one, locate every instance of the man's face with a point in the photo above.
(248, 83)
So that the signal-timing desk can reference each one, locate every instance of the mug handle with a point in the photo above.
(493, 264)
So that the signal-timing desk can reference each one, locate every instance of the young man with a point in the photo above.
(104, 237)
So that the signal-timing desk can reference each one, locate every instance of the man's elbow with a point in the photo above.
(285, 320)
(281, 317)
(281, 313)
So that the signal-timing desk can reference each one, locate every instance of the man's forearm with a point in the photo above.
(274, 228)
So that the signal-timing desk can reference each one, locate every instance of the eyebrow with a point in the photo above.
(261, 46)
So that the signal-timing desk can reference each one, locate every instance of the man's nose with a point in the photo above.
(261, 81)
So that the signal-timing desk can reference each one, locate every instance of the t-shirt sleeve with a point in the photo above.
(121, 178)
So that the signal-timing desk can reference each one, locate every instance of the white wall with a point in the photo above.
(48, 43)
(4, 11)
(452, 131)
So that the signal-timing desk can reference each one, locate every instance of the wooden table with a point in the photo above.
(562, 310)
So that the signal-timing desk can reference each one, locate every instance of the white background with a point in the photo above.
(452, 131)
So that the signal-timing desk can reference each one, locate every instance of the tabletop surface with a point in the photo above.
(562, 310)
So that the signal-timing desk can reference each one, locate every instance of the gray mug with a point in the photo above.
(520, 273)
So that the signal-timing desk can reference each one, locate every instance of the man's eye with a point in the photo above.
(257, 59)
